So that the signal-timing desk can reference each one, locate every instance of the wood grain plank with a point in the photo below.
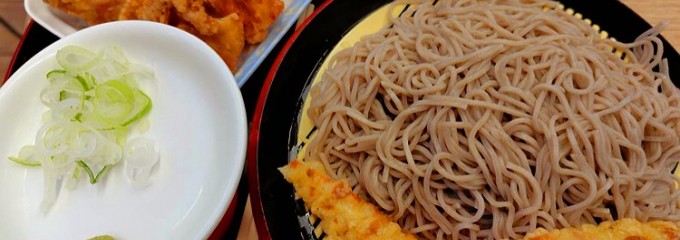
(13, 12)
(655, 11)
(4, 64)
(8, 42)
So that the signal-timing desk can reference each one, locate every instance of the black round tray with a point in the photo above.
(274, 131)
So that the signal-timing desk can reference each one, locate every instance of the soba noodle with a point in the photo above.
(489, 119)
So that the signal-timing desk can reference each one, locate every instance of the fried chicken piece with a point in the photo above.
(265, 14)
(257, 15)
(228, 40)
(92, 11)
(225, 25)
(343, 214)
(623, 229)
(194, 12)
(150, 10)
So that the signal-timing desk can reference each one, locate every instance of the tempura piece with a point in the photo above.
(257, 15)
(150, 10)
(623, 229)
(225, 25)
(194, 12)
(92, 11)
(264, 15)
(343, 214)
(228, 40)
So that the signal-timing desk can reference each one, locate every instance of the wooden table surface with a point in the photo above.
(12, 22)
(653, 11)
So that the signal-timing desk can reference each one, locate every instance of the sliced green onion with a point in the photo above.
(113, 99)
(87, 170)
(143, 104)
(94, 101)
(55, 73)
(26, 157)
(83, 83)
(63, 95)
(76, 173)
(78, 117)
(93, 178)
(74, 58)
(24, 162)
(104, 169)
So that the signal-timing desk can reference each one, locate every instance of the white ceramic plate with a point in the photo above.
(198, 123)
(62, 25)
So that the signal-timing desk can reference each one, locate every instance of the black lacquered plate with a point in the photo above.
(275, 125)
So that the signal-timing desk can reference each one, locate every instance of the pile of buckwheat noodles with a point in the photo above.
(489, 119)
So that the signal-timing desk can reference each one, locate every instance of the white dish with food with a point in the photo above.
(62, 25)
(198, 124)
